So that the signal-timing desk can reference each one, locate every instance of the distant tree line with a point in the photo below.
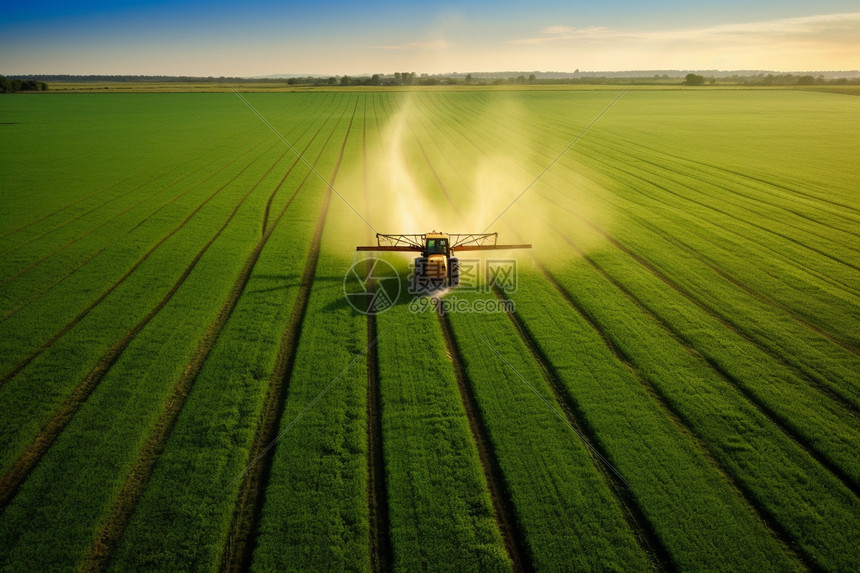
(10, 85)
(770, 80)
(792, 80)
(140, 79)
(36, 83)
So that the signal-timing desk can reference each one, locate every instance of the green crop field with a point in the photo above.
(672, 381)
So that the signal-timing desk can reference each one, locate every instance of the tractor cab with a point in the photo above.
(434, 262)
(436, 244)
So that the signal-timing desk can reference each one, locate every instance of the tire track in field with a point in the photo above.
(99, 206)
(747, 499)
(284, 178)
(86, 234)
(755, 293)
(377, 496)
(803, 267)
(634, 515)
(99, 554)
(503, 509)
(799, 370)
(380, 536)
(96, 253)
(778, 420)
(238, 549)
(726, 214)
(22, 466)
(81, 315)
(677, 177)
(841, 208)
(72, 204)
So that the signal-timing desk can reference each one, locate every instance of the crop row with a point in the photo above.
(71, 250)
(837, 500)
(828, 358)
(546, 469)
(681, 464)
(131, 392)
(184, 385)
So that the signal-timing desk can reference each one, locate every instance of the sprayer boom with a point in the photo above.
(451, 242)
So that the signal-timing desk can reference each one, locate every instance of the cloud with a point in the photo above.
(828, 28)
(431, 45)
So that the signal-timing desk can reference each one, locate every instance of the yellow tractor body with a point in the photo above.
(437, 266)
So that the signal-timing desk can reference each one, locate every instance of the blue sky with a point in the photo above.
(336, 37)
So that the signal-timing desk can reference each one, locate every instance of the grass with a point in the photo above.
(216, 427)
(691, 308)
(440, 511)
(133, 396)
(546, 468)
(694, 510)
(315, 512)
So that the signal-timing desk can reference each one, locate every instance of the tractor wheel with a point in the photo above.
(454, 271)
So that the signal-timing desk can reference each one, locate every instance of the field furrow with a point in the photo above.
(37, 284)
(46, 436)
(201, 525)
(770, 468)
(377, 492)
(249, 542)
(440, 512)
(788, 401)
(502, 507)
(667, 381)
(27, 355)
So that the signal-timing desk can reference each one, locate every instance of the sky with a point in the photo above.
(334, 37)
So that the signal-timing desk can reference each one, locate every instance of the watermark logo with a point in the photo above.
(371, 285)
(502, 274)
(469, 275)
(455, 304)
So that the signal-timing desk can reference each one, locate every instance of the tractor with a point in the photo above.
(437, 267)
